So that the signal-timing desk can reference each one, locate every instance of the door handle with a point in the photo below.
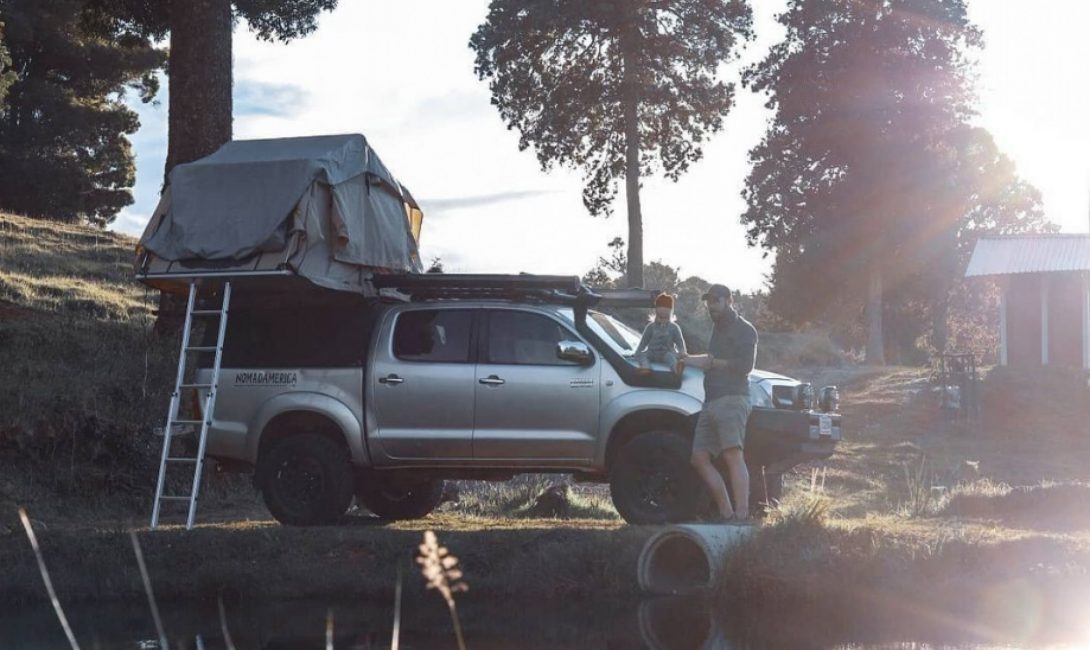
(491, 380)
(391, 379)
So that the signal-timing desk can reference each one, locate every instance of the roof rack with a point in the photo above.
(525, 287)
(558, 289)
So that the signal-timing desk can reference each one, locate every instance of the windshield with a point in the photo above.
(616, 334)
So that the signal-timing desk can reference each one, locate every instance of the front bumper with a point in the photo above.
(779, 439)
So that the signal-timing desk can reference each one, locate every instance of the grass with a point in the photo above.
(501, 558)
(532, 496)
(924, 579)
(977, 532)
(84, 381)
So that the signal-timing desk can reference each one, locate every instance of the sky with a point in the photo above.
(401, 73)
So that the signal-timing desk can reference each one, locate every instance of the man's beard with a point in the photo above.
(723, 316)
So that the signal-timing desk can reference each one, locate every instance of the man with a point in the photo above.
(721, 428)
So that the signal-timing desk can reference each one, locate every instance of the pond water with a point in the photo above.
(664, 623)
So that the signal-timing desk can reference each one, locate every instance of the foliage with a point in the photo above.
(618, 89)
(63, 148)
(781, 347)
(200, 34)
(7, 76)
(871, 167)
(281, 20)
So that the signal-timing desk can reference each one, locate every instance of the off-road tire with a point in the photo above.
(652, 481)
(391, 497)
(306, 480)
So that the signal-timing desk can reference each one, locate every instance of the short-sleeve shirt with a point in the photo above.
(733, 339)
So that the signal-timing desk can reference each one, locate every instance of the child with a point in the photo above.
(662, 341)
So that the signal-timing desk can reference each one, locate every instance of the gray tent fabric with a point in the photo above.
(293, 197)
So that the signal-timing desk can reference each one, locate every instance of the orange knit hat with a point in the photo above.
(664, 300)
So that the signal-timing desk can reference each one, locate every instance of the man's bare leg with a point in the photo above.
(713, 481)
(735, 464)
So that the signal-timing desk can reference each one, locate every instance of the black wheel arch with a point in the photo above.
(644, 420)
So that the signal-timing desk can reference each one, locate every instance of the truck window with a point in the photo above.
(435, 335)
(518, 337)
(306, 329)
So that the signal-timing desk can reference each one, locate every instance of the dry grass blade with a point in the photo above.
(441, 572)
(45, 578)
(919, 483)
(329, 629)
(227, 642)
(147, 589)
(395, 638)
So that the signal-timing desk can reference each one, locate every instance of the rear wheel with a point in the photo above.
(652, 481)
(398, 497)
(306, 480)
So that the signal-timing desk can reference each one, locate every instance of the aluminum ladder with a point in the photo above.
(173, 417)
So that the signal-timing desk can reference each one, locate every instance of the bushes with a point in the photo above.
(783, 350)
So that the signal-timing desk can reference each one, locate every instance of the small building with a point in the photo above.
(1044, 313)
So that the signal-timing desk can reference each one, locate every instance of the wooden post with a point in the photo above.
(1003, 284)
(1044, 319)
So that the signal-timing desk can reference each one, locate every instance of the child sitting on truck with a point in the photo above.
(662, 341)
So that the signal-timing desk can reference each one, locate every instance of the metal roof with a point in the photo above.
(1045, 253)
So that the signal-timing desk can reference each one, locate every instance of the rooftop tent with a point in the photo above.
(324, 208)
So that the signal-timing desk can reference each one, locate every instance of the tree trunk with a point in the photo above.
(200, 79)
(200, 111)
(940, 309)
(632, 166)
(876, 349)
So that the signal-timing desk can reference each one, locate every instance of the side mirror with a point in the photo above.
(575, 351)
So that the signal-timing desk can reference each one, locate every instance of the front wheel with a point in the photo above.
(652, 481)
(398, 497)
(306, 480)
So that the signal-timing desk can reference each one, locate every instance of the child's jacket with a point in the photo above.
(662, 337)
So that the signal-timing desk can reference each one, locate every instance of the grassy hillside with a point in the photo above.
(66, 270)
(82, 378)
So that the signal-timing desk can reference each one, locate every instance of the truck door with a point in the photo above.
(422, 385)
(531, 405)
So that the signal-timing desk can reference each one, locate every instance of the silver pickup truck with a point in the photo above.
(384, 399)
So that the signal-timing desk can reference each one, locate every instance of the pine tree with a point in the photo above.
(869, 175)
(200, 72)
(63, 150)
(617, 88)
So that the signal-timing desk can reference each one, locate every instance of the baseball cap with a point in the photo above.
(717, 291)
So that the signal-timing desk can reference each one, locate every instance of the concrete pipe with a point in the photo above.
(687, 559)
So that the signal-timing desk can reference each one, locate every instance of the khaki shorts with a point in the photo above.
(722, 425)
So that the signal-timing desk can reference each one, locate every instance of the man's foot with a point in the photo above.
(679, 368)
(643, 371)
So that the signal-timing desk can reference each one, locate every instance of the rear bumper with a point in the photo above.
(779, 439)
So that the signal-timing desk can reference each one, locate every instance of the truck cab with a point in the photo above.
(383, 399)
